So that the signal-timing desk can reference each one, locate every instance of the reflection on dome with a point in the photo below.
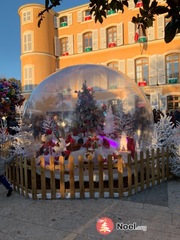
(84, 99)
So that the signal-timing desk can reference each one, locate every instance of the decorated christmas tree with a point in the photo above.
(88, 116)
(10, 99)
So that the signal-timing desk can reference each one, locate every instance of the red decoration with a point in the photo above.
(131, 146)
(48, 132)
(136, 36)
(139, 3)
(90, 89)
(111, 44)
(142, 84)
(65, 54)
(87, 18)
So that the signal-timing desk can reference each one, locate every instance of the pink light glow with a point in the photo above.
(113, 143)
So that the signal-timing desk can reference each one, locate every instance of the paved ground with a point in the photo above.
(157, 208)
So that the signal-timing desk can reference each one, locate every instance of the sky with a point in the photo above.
(10, 65)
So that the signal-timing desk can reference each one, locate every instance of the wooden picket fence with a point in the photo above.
(88, 179)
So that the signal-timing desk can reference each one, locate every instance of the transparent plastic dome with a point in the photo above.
(116, 103)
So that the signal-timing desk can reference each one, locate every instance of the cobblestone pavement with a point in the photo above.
(157, 208)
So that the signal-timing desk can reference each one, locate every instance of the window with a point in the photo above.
(26, 16)
(28, 78)
(160, 26)
(27, 42)
(64, 46)
(63, 21)
(142, 72)
(87, 15)
(173, 102)
(112, 36)
(87, 42)
(113, 65)
(172, 68)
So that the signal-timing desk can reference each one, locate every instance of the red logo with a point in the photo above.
(104, 225)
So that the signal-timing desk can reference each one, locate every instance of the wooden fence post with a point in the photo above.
(81, 176)
(129, 175)
(43, 178)
(120, 176)
(101, 183)
(110, 177)
(158, 165)
(136, 172)
(147, 169)
(17, 174)
(162, 164)
(33, 178)
(152, 167)
(25, 177)
(71, 175)
(91, 182)
(62, 182)
(142, 169)
(21, 175)
(52, 173)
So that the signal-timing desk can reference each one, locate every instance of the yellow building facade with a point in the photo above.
(72, 37)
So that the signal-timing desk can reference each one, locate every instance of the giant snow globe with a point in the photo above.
(88, 110)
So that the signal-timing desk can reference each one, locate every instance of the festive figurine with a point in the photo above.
(48, 144)
(123, 142)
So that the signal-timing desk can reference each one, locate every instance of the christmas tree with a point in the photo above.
(175, 149)
(88, 117)
(123, 121)
(163, 133)
(49, 124)
(109, 120)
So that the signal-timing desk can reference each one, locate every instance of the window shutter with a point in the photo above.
(80, 44)
(122, 66)
(28, 78)
(163, 102)
(120, 34)
(95, 39)
(69, 19)
(56, 46)
(154, 100)
(160, 28)
(150, 33)
(130, 69)
(102, 38)
(70, 45)
(131, 32)
(153, 70)
(56, 21)
(79, 16)
(131, 4)
(161, 69)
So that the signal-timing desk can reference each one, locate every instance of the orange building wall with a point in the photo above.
(42, 56)
(45, 62)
